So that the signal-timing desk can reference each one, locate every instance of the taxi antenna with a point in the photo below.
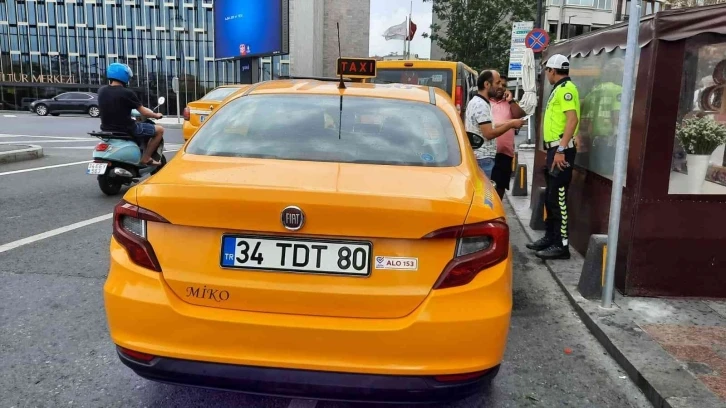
(340, 55)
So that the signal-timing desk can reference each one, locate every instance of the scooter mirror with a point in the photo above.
(162, 100)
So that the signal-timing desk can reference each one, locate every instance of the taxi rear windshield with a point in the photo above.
(219, 94)
(315, 128)
(439, 78)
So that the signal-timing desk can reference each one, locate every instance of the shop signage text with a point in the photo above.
(41, 79)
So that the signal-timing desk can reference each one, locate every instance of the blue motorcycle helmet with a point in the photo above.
(119, 72)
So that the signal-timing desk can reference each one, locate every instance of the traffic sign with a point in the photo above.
(175, 84)
(537, 40)
(516, 47)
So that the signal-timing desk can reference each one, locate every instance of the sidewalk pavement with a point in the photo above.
(673, 349)
(15, 153)
(170, 122)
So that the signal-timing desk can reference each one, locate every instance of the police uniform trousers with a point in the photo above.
(556, 197)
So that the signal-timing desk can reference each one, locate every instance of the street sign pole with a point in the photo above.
(175, 88)
(621, 148)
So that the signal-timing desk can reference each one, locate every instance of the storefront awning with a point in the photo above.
(669, 25)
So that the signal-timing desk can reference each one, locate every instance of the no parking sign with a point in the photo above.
(537, 40)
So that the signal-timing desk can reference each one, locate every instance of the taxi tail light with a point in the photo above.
(478, 247)
(129, 229)
(187, 113)
(459, 97)
(136, 355)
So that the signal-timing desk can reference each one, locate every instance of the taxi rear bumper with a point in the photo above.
(335, 386)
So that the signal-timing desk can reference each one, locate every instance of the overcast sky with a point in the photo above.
(387, 13)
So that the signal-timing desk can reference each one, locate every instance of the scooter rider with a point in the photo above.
(116, 101)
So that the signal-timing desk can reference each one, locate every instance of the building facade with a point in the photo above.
(52, 46)
(438, 53)
(576, 17)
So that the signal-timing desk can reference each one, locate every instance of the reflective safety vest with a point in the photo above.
(564, 97)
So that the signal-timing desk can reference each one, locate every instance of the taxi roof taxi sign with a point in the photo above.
(356, 67)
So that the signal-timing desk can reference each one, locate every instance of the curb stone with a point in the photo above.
(24, 152)
(169, 123)
(663, 380)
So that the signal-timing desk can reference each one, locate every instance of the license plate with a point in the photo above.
(296, 255)
(96, 168)
(202, 118)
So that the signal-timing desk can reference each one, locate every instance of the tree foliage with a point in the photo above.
(692, 3)
(478, 32)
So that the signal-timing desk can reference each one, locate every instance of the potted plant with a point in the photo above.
(699, 137)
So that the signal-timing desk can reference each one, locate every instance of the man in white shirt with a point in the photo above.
(479, 120)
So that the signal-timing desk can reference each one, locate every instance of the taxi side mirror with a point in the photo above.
(475, 140)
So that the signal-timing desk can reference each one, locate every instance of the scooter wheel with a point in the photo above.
(108, 185)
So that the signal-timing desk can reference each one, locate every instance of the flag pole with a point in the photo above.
(408, 30)
(405, 37)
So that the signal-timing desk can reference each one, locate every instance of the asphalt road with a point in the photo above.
(54, 345)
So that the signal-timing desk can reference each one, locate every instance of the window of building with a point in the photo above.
(14, 39)
(51, 14)
(32, 16)
(35, 67)
(604, 4)
(699, 160)
(42, 13)
(3, 11)
(34, 39)
(24, 35)
(70, 14)
(22, 13)
(44, 39)
(63, 40)
(92, 43)
(4, 38)
(72, 40)
(12, 15)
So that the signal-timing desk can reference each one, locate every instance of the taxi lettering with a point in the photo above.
(356, 67)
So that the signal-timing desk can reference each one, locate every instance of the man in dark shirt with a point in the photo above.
(115, 102)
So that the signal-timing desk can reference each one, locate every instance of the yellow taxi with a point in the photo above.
(320, 242)
(198, 111)
(457, 79)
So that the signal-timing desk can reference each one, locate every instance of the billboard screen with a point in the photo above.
(250, 28)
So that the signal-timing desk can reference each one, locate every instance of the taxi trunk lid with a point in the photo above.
(200, 110)
(380, 212)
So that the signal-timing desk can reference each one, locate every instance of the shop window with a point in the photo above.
(599, 81)
(699, 161)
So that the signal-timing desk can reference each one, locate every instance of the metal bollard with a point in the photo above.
(520, 181)
(592, 277)
(539, 211)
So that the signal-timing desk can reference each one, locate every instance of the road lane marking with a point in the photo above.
(7, 173)
(11, 116)
(49, 141)
(300, 403)
(70, 147)
(52, 233)
(48, 137)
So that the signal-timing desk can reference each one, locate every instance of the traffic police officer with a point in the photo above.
(561, 121)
